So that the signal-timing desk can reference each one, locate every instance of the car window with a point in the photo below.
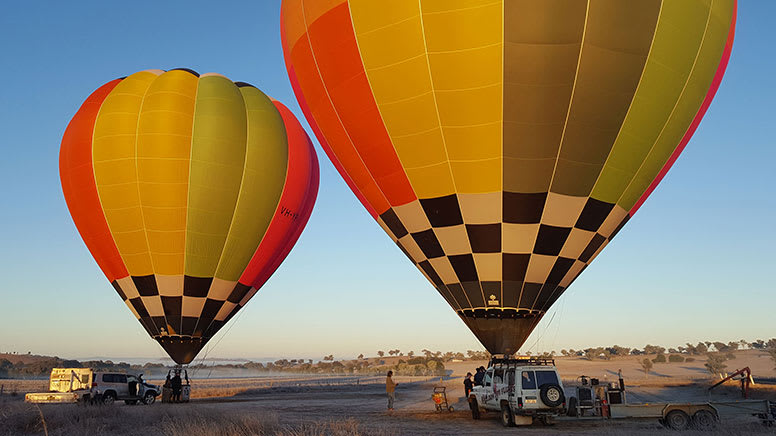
(546, 377)
(121, 378)
(488, 378)
(107, 378)
(498, 376)
(529, 380)
(511, 377)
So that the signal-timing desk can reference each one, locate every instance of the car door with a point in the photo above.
(529, 389)
(122, 386)
(489, 397)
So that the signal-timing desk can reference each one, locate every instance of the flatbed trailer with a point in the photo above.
(684, 415)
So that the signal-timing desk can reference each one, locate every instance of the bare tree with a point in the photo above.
(646, 365)
(773, 356)
(715, 364)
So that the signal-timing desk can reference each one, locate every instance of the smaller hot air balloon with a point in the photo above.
(189, 191)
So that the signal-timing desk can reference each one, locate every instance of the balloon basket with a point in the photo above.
(176, 390)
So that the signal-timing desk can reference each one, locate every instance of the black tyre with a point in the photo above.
(551, 395)
(149, 398)
(130, 402)
(475, 408)
(572, 407)
(677, 420)
(507, 418)
(704, 420)
(108, 398)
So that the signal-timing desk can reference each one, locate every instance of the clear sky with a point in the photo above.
(695, 263)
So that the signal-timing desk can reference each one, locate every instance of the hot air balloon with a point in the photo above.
(503, 144)
(189, 191)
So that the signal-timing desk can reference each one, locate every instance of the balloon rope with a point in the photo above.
(209, 348)
(555, 312)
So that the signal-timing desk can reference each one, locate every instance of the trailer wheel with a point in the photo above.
(677, 420)
(475, 408)
(572, 408)
(704, 420)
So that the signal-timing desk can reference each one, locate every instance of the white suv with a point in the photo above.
(521, 389)
(110, 386)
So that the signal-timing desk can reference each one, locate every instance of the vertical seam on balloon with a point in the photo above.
(442, 133)
(94, 179)
(503, 161)
(188, 185)
(240, 189)
(379, 112)
(571, 102)
(633, 99)
(563, 135)
(436, 105)
(140, 204)
(670, 116)
(334, 108)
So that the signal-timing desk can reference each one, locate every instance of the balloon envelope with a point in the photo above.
(189, 191)
(503, 144)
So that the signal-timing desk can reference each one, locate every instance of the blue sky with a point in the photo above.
(695, 263)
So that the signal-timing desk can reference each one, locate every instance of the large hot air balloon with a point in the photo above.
(503, 144)
(189, 191)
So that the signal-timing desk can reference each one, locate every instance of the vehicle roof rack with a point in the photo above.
(507, 360)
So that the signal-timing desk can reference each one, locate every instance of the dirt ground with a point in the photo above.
(357, 405)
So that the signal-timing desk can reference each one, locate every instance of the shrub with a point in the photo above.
(660, 358)
(689, 359)
(675, 358)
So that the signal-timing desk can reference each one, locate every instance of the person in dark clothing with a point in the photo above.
(176, 385)
(468, 384)
(480, 376)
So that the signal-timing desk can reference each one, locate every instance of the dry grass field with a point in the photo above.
(315, 405)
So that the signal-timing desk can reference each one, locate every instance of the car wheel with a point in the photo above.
(130, 402)
(475, 408)
(677, 420)
(108, 398)
(551, 395)
(507, 419)
(704, 420)
(149, 398)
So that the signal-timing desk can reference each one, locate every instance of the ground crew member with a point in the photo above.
(390, 388)
(468, 384)
(176, 385)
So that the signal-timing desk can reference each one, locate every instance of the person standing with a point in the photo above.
(468, 384)
(176, 386)
(390, 388)
(478, 378)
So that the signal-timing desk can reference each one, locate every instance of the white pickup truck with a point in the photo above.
(521, 389)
